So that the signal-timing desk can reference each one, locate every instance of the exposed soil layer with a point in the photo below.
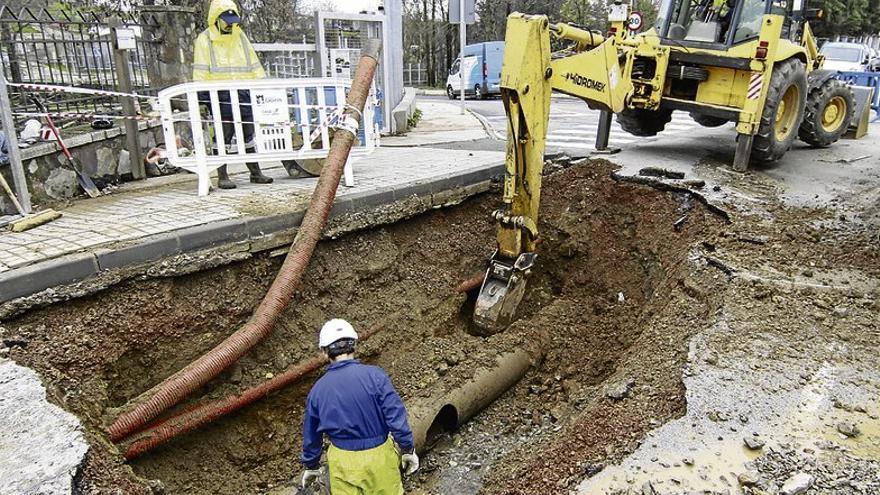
(618, 292)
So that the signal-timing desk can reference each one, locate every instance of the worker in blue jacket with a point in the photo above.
(361, 413)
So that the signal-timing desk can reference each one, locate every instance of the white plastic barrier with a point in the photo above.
(279, 108)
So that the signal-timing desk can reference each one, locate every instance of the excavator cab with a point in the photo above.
(716, 24)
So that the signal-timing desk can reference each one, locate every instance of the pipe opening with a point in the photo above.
(445, 422)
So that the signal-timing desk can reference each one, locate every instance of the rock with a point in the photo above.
(157, 487)
(591, 469)
(753, 443)
(648, 489)
(106, 164)
(123, 166)
(848, 429)
(61, 184)
(799, 483)
(42, 446)
(749, 478)
(688, 461)
(620, 390)
(841, 311)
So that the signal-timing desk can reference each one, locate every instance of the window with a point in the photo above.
(456, 66)
(843, 53)
(704, 21)
(749, 25)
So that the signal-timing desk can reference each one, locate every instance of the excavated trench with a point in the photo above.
(611, 306)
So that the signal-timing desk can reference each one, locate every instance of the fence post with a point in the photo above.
(123, 76)
(21, 190)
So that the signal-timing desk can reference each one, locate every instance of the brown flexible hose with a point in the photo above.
(163, 431)
(186, 381)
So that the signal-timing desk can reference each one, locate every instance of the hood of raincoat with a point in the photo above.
(218, 7)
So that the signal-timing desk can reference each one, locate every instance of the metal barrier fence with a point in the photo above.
(263, 120)
(869, 80)
(70, 47)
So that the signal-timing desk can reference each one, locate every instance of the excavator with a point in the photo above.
(755, 63)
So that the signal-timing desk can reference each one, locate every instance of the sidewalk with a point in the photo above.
(441, 122)
(138, 224)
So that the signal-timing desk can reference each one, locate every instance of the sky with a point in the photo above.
(355, 5)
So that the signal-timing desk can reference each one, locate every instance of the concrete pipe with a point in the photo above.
(446, 410)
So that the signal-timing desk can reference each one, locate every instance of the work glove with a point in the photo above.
(310, 475)
(409, 463)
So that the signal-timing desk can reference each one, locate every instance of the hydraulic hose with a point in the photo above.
(202, 414)
(186, 381)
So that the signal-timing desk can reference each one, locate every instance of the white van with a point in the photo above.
(481, 68)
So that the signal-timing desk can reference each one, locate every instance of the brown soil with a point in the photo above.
(618, 291)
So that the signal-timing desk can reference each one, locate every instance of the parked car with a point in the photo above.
(846, 57)
(481, 66)
(874, 63)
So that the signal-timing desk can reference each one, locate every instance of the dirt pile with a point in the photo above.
(617, 291)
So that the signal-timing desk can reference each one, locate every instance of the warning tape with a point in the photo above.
(333, 119)
(51, 88)
(84, 115)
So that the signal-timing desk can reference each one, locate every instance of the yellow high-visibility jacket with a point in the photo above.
(219, 56)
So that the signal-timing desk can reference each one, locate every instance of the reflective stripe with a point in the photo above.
(245, 46)
(213, 57)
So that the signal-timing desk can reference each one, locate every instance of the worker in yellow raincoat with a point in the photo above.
(223, 53)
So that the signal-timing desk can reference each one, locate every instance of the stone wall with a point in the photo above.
(101, 155)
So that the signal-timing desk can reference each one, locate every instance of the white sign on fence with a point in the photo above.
(270, 106)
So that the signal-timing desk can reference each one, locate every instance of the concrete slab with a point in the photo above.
(42, 446)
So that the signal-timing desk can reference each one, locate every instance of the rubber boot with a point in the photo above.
(223, 181)
(257, 176)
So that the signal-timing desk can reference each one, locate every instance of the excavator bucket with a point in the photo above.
(858, 127)
(502, 291)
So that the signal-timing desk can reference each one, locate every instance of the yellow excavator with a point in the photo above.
(752, 62)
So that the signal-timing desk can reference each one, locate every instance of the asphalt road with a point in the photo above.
(573, 125)
(848, 171)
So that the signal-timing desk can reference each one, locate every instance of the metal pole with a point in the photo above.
(21, 190)
(462, 40)
(123, 74)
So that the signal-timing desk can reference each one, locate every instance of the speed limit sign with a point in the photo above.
(634, 23)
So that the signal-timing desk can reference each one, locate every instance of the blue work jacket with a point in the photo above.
(356, 406)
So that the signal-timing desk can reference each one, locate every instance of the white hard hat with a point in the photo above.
(334, 330)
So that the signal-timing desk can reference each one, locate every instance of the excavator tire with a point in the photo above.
(639, 122)
(708, 120)
(830, 108)
(783, 111)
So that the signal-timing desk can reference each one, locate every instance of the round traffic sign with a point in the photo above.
(634, 23)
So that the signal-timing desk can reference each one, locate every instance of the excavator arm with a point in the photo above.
(528, 77)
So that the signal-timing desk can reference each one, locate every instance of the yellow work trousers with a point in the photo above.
(373, 471)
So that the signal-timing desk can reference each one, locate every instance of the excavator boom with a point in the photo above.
(528, 77)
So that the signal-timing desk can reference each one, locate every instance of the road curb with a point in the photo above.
(71, 269)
